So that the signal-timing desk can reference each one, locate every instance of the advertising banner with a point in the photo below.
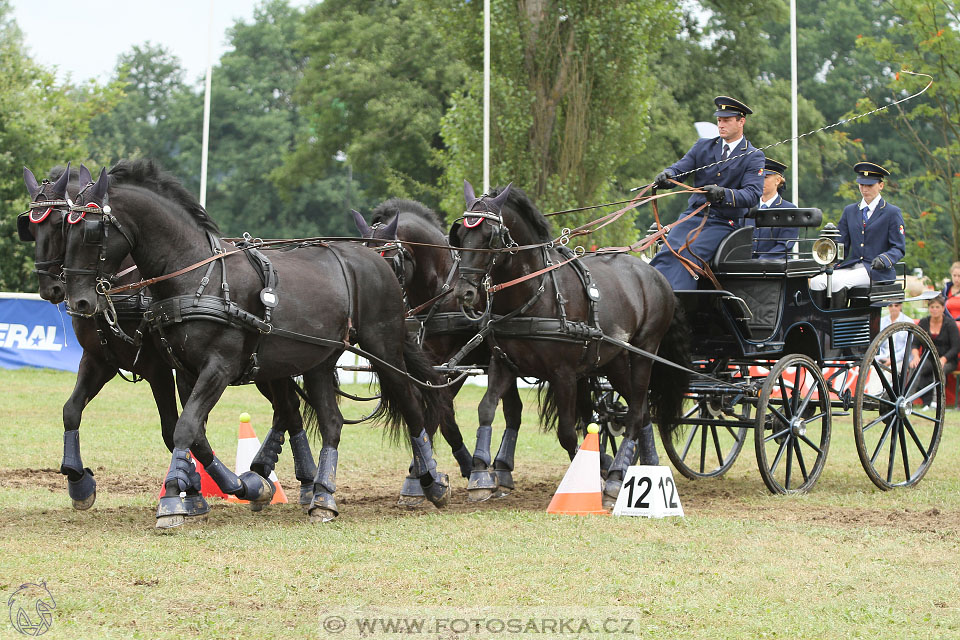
(35, 333)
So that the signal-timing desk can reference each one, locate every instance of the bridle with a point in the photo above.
(38, 212)
(95, 222)
(399, 260)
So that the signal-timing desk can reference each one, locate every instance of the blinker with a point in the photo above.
(23, 228)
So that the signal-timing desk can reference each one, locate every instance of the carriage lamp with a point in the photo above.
(651, 251)
(827, 249)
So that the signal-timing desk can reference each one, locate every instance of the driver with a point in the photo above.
(730, 170)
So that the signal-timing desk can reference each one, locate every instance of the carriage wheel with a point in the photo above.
(792, 431)
(698, 450)
(896, 438)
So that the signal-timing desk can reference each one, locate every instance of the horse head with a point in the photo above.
(94, 247)
(483, 237)
(42, 224)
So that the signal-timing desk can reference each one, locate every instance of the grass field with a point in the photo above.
(844, 561)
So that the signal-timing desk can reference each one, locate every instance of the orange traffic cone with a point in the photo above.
(247, 446)
(580, 491)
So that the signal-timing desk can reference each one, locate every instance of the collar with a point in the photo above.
(771, 201)
(872, 206)
(732, 145)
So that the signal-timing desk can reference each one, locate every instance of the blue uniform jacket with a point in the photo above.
(741, 176)
(883, 236)
(772, 243)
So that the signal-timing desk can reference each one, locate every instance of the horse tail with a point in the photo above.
(549, 414)
(435, 404)
(668, 385)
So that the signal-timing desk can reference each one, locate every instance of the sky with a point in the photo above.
(105, 29)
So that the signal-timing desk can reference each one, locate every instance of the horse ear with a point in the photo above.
(99, 191)
(362, 226)
(60, 186)
(85, 177)
(453, 240)
(391, 229)
(468, 194)
(31, 182)
(502, 197)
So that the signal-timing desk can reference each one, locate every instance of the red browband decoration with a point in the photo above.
(42, 217)
(83, 212)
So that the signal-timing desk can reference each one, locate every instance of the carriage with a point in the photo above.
(770, 359)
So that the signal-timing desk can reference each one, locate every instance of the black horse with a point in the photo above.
(268, 319)
(107, 348)
(591, 319)
(426, 270)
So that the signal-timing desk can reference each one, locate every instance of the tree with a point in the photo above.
(923, 37)
(377, 80)
(571, 90)
(42, 124)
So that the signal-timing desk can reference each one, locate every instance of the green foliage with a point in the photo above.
(374, 88)
(923, 37)
(42, 124)
(571, 87)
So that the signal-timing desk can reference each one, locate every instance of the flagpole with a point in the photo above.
(794, 125)
(486, 96)
(205, 144)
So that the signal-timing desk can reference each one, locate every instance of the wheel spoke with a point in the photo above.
(811, 444)
(879, 419)
(783, 395)
(924, 359)
(703, 450)
(716, 444)
(893, 454)
(903, 452)
(883, 438)
(778, 434)
(916, 440)
(789, 462)
(686, 448)
(779, 455)
(803, 467)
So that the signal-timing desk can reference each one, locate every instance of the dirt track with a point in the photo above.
(374, 498)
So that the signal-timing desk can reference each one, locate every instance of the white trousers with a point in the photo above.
(855, 276)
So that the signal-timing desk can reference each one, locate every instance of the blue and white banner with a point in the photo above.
(35, 333)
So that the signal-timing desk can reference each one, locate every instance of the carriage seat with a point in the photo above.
(734, 256)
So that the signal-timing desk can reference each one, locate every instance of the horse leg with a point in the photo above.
(638, 440)
(483, 480)
(164, 392)
(172, 509)
(503, 463)
(92, 374)
(451, 433)
(320, 384)
(282, 395)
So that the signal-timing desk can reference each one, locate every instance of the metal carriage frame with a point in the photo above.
(770, 358)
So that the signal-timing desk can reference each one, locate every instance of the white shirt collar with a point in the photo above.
(770, 202)
(732, 145)
(872, 206)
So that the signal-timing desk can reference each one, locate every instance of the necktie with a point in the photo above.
(763, 206)
(725, 154)
(863, 212)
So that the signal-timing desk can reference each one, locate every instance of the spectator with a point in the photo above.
(951, 292)
(899, 339)
(946, 338)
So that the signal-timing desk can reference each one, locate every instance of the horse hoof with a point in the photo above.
(83, 505)
(438, 492)
(256, 507)
(502, 492)
(257, 489)
(479, 495)
(410, 501)
(319, 515)
(609, 502)
(165, 523)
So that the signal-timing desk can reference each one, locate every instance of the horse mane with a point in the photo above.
(148, 174)
(522, 205)
(388, 210)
